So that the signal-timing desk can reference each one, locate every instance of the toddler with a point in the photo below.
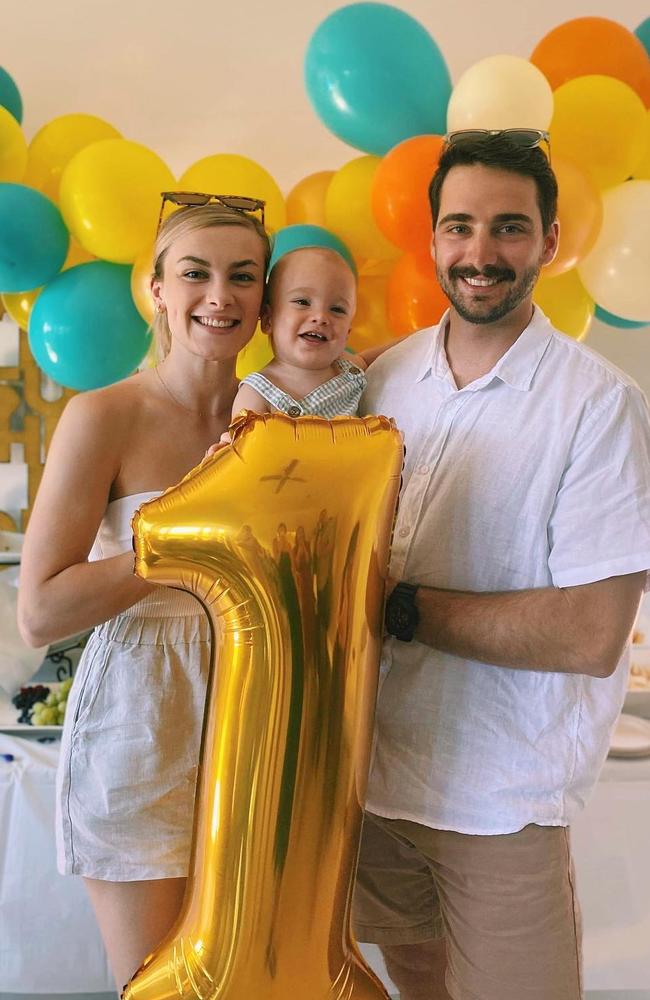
(309, 307)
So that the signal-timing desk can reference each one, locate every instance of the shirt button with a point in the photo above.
(424, 470)
(404, 532)
(294, 411)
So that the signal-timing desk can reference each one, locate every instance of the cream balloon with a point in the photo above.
(616, 272)
(501, 92)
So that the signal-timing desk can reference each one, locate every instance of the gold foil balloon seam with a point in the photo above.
(284, 537)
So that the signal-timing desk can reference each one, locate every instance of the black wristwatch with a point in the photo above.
(401, 619)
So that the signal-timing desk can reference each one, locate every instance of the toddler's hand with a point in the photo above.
(223, 440)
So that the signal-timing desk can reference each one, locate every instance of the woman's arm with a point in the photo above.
(60, 592)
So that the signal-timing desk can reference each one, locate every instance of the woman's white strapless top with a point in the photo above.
(115, 537)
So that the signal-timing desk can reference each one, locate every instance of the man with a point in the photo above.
(521, 544)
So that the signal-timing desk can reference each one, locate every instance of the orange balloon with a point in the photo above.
(400, 198)
(306, 201)
(580, 212)
(370, 326)
(594, 45)
(415, 298)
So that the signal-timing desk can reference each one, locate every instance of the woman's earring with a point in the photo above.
(160, 307)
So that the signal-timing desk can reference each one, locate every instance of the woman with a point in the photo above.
(130, 745)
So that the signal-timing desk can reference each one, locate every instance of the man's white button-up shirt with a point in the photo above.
(535, 475)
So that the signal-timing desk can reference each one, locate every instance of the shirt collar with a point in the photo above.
(516, 368)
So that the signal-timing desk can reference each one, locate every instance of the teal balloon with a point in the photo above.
(84, 329)
(10, 95)
(375, 77)
(33, 239)
(611, 320)
(643, 34)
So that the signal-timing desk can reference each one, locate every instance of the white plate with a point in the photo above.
(631, 737)
(22, 729)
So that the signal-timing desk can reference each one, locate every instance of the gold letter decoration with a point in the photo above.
(284, 538)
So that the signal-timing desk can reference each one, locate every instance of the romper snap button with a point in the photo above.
(294, 411)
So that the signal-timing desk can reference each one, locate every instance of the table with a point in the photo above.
(49, 942)
(611, 846)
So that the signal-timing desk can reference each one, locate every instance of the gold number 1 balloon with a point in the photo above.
(284, 538)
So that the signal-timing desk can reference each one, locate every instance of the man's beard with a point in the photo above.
(477, 313)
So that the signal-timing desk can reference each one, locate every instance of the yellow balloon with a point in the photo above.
(141, 284)
(501, 92)
(56, 143)
(306, 201)
(256, 355)
(228, 173)
(110, 198)
(600, 124)
(348, 211)
(566, 302)
(19, 305)
(642, 171)
(616, 270)
(285, 543)
(13, 149)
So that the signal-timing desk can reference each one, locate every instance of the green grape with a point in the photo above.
(38, 706)
(52, 699)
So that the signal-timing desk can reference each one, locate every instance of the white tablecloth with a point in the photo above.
(611, 846)
(49, 942)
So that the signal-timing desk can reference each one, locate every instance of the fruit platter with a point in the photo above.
(39, 708)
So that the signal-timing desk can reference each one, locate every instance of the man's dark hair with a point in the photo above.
(501, 153)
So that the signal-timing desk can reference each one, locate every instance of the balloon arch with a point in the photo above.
(79, 203)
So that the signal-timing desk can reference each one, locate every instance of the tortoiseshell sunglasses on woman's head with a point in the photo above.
(197, 199)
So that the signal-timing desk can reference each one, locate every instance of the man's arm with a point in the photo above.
(574, 630)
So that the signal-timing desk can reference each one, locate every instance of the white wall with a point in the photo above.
(227, 77)
(213, 76)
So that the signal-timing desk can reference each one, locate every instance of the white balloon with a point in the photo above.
(501, 92)
(616, 272)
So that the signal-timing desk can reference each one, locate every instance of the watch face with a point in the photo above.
(402, 618)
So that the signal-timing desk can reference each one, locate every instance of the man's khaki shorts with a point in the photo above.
(505, 904)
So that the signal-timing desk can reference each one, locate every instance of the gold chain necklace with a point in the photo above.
(197, 413)
(174, 399)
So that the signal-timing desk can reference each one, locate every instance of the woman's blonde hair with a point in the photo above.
(180, 223)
